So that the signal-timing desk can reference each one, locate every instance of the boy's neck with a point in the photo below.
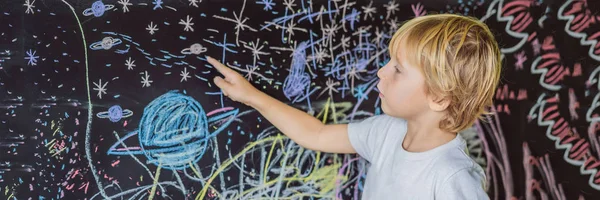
(424, 136)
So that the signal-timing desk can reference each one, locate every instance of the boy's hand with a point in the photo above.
(234, 85)
(301, 127)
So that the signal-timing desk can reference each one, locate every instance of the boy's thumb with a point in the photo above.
(221, 83)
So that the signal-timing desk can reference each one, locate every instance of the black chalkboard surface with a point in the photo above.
(114, 99)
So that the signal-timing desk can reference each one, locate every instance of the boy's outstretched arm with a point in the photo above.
(301, 127)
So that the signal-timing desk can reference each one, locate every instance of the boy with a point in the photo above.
(441, 76)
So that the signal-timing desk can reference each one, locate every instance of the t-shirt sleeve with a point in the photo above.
(368, 135)
(467, 183)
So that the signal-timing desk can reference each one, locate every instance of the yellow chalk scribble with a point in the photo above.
(153, 190)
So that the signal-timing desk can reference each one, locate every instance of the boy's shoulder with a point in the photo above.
(378, 123)
(456, 159)
(384, 118)
(458, 172)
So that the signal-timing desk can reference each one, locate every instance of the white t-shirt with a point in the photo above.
(445, 172)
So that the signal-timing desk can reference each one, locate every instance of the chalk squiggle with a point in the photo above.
(499, 4)
(592, 41)
(558, 130)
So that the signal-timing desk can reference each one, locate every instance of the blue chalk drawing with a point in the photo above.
(267, 3)
(115, 113)
(173, 131)
(98, 8)
(298, 80)
(31, 57)
(157, 4)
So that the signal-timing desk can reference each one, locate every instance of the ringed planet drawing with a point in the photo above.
(174, 131)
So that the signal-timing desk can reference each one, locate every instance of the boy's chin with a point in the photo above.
(385, 109)
(390, 112)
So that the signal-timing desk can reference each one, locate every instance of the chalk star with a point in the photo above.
(101, 88)
(353, 74)
(184, 75)
(152, 28)
(31, 57)
(320, 55)
(391, 7)
(130, 64)
(195, 3)
(256, 49)
(146, 80)
(239, 23)
(345, 42)
(289, 4)
(359, 92)
(187, 23)
(125, 3)
(329, 32)
(379, 35)
(157, 4)
(393, 24)
(330, 87)
(369, 10)
(521, 58)
(290, 29)
(30, 6)
(268, 4)
(251, 70)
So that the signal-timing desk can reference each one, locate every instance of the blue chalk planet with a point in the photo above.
(98, 8)
(173, 131)
(115, 113)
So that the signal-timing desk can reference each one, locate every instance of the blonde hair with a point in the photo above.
(460, 60)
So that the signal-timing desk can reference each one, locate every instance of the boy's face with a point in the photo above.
(402, 88)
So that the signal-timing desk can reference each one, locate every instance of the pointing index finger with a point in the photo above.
(219, 66)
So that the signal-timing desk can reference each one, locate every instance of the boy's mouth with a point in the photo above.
(379, 90)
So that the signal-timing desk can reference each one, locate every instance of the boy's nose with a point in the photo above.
(380, 72)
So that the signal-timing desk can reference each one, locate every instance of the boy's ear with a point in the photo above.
(438, 104)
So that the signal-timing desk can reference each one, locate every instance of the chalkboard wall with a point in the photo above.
(113, 99)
